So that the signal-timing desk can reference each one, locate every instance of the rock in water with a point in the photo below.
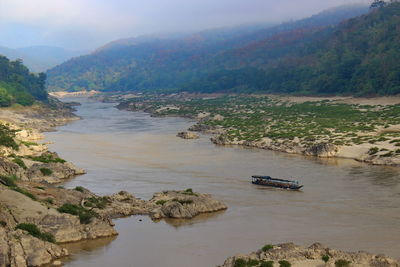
(188, 135)
(183, 204)
(313, 256)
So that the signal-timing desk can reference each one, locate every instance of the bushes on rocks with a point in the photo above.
(9, 181)
(79, 189)
(342, 263)
(325, 258)
(284, 263)
(3, 223)
(85, 215)
(267, 247)
(33, 230)
(47, 158)
(267, 264)
(7, 137)
(240, 263)
(20, 163)
(97, 202)
(46, 171)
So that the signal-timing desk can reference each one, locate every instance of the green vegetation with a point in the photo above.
(267, 247)
(3, 223)
(28, 144)
(49, 200)
(189, 192)
(342, 263)
(267, 264)
(97, 202)
(46, 171)
(47, 158)
(9, 181)
(357, 57)
(325, 258)
(252, 262)
(284, 263)
(80, 189)
(33, 230)
(85, 215)
(161, 202)
(7, 137)
(18, 85)
(240, 263)
(20, 162)
(252, 118)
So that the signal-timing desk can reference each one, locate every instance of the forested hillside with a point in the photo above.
(18, 85)
(246, 60)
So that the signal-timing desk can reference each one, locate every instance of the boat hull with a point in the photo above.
(278, 185)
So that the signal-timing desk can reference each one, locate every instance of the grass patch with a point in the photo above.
(267, 264)
(47, 158)
(284, 263)
(342, 263)
(161, 202)
(9, 181)
(33, 230)
(85, 215)
(46, 171)
(189, 192)
(267, 247)
(97, 202)
(252, 262)
(29, 144)
(240, 263)
(49, 200)
(80, 189)
(7, 137)
(20, 163)
(373, 150)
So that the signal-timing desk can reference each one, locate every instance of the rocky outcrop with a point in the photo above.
(188, 135)
(314, 256)
(19, 249)
(57, 173)
(183, 204)
(323, 150)
(204, 128)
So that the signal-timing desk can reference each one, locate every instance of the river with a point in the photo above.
(344, 204)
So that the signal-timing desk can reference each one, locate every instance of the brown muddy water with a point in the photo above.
(344, 204)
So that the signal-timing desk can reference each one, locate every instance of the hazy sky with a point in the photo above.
(87, 24)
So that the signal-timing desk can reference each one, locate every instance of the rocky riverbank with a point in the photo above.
(318, 127)
(36, 214)
(286, 255)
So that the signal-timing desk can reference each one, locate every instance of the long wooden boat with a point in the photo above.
(275, 182)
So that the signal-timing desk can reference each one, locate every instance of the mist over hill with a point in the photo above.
(292, 57)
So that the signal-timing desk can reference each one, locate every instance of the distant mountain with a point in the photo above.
(234, 59)
(39, 58)
(18, 85)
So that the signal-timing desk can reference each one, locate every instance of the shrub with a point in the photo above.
(284, 263)
(8, 181)
(3, 223)
(47, 158)
(342, 263)
(7, 137)
(33, 230)
(325, 258)
(240, 263)
(80, 189)
(267, 264)
(252, 262)
(40, 187)
(161, 202)
(99, 203)
(49, 200)
(189, 192)
(373, 150)
(20, 163)
(46, 171)
(85, 215)
(267, 247)
(183, 202)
